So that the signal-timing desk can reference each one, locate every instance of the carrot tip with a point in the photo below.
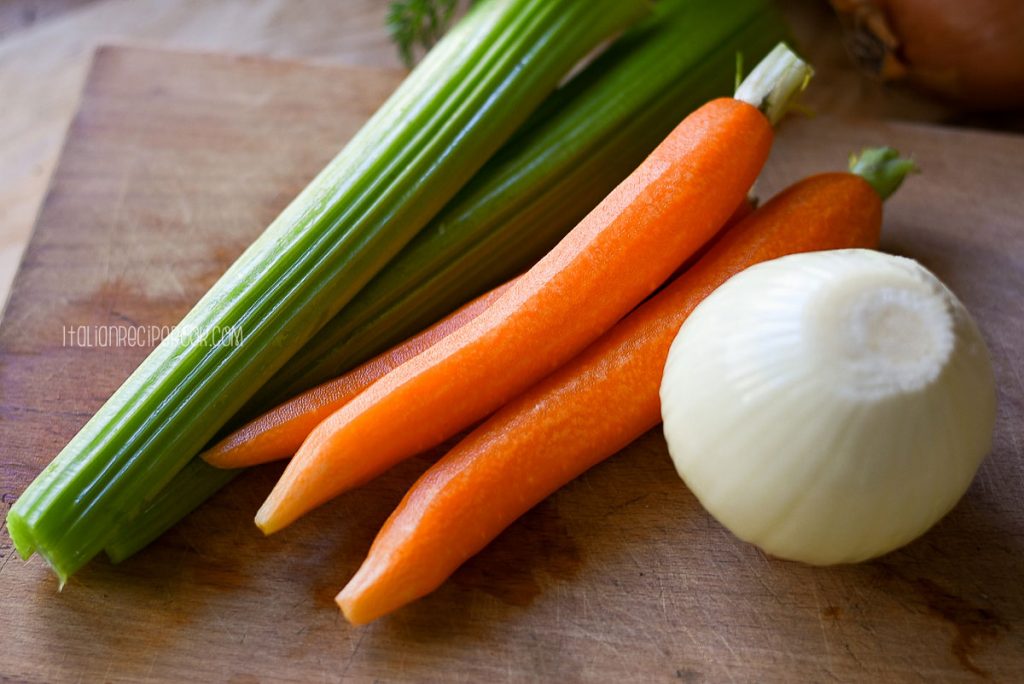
(351, 608)
(346, 609)
(266, 520)
(214, 458)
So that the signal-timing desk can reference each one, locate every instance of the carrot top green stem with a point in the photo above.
(774, 82)
(883, 168)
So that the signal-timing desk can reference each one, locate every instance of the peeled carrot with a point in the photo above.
(280, 432)
(587, 410)
(624, 249)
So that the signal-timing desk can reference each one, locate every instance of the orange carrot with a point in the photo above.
(280, 432)
(587, 410)
(624, 249)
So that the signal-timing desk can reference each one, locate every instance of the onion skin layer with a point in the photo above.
(970, 53)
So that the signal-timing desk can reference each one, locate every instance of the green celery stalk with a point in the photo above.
(466, 98)
(584, 139)
(191, 486)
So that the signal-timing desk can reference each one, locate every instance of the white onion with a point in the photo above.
(829, 407)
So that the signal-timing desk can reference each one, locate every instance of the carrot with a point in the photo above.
(280, 432)
(625, 248)
(588, 409)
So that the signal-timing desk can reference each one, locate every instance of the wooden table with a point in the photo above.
(619, 576)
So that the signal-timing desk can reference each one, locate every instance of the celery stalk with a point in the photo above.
(191, 486)
(573, 151)
(465, 99)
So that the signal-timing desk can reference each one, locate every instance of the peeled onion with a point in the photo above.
(829, 407)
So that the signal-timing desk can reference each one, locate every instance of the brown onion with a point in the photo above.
(970, 52)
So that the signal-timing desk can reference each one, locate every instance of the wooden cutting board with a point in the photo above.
(176, 162)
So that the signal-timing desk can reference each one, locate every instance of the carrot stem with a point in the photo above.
(883, 168)
(587, 410)
(775, 82)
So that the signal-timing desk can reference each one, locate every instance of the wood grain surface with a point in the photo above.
(174, 162)
(43, 67)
